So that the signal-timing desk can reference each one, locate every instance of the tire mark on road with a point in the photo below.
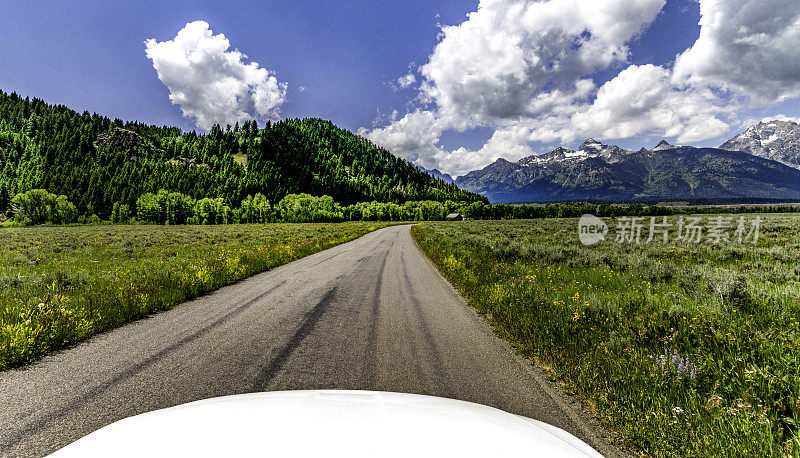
(442, 384)
(326, 260)
(371, 368)
(310, 320)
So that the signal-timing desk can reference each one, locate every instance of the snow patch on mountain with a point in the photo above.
(769, 140)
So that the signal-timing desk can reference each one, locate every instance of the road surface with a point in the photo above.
(371, 314)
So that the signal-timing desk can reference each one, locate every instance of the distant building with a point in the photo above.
(455, 217)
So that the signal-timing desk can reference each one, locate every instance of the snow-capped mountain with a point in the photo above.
(589, 149)
(776, 140)
(598, 171)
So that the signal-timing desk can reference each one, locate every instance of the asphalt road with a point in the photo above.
(371, 314)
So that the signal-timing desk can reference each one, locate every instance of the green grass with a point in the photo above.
(60, 285)
(682, 349)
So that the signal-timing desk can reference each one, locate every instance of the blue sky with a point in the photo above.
(484, 86)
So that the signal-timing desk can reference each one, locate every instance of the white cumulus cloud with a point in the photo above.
(748, 46)
(210, 82)
(509, 142)
(492, 65)
(643, 98)
(411, 137)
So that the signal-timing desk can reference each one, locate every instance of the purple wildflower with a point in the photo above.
(674, 362)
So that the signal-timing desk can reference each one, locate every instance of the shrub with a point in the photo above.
(38, 206)
(164, 207)
(211, 211)
(305, 208)
(735, 293)
(255, 209)
(120, 213)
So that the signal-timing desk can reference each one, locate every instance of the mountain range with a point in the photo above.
(761, 163)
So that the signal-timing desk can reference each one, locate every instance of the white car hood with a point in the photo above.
(327, 423)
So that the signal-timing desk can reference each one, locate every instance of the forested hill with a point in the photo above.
(96, 162)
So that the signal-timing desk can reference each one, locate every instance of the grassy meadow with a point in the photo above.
(683, 349)
(60, 285)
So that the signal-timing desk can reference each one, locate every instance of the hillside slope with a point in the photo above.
(96, 162)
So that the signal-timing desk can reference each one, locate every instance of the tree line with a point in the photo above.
(38, 206)
(169, 207)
